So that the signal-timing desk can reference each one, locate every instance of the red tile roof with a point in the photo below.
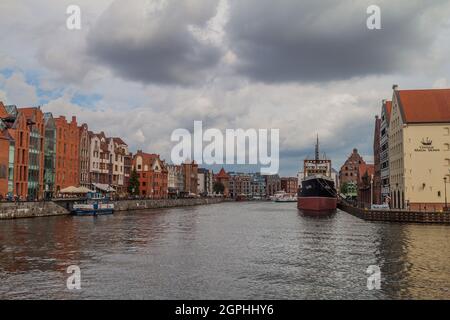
(3, 113)
(366, 168)
(388, 109)
(222, 174)
(425, 106)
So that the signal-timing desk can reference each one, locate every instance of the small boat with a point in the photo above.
(95, 204)
(282, 196)
(286, 198)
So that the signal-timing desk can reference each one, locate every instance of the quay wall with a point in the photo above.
(13, 210)
(397, 215)
(17, 210)
(126, 205)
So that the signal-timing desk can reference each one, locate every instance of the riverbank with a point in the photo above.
(19, 210)
(397, 215)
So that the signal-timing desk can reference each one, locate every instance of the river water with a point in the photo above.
(255, 250)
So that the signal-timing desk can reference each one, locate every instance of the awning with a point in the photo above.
(104, 187)
(69, 190)
(75, 190)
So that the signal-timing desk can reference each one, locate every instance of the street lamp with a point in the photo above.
(445, 191)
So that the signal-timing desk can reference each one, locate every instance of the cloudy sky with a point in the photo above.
(140, 69)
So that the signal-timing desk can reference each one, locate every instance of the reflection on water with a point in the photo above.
(252, 250)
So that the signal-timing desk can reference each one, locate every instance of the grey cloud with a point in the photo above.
(150, 41)
(329, 40)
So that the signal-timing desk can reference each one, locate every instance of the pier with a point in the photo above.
(397, 215)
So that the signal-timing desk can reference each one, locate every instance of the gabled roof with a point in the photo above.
(365, 168)
(3, 112)
(222, 174)
(119, 141)
(387, 107)
(424, 106)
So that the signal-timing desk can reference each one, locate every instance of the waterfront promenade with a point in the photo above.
(17, 210)
(397, 215)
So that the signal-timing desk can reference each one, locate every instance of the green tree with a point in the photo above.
(133, 187)
(344, 188)
(218, 187)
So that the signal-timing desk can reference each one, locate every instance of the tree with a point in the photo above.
(218, 187)
(133, 187)
(344, 188)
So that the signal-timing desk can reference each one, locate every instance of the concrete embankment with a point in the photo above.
(397, 215)
(9, 210)
(12, 210)
(126, 205)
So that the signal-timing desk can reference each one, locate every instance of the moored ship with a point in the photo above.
(318, 192)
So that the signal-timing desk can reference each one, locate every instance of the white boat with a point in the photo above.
(287, 198)
(94, 205)
(282, 196)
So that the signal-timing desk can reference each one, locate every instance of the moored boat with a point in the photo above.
(95, 204)
(317, 194)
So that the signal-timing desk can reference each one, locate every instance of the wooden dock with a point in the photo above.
(397, 215)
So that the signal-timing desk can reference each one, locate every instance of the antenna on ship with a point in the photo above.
(317, 148)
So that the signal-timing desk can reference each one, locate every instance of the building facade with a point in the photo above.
(5, 142)
(67, 153)
(223, 178)
(258, 186)
(175, 180)
(240, 185)
(190, 174)
(289, 185)
(273, 184)
(376, 187)
(384, 150)
(36, 132)
(49, 156)
(118, 150)
(350, 169)
(98, 159)
(205, 182)
(85, 148)
(365, 186)
(419, 148)
(153, 175)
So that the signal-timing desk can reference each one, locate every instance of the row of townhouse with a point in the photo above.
(42, 155)
(255, 185)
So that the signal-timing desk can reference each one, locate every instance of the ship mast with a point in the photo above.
(317, 148)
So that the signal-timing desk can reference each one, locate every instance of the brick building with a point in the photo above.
(224, 178)
(153, 175)
(190, 174)
(350, 169)
(365, 185)
(273, 184)
(67, 153)
(6, 157)
(289, 185)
